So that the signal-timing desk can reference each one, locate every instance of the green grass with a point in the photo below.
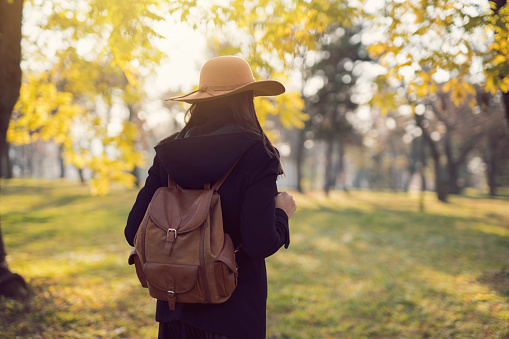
(360, 265)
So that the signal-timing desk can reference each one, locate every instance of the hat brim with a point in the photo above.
(260, 88)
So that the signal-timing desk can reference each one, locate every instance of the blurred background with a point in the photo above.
(387, 101)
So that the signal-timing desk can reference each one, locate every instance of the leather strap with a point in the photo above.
(171, 183)
(220, 181)
(172, 299)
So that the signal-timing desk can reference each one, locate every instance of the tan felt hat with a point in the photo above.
(228, 75)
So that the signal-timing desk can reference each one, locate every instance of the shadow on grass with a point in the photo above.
(497, 280)
(10, 187)
(450, 244)
(386, 273)
(62, 201)
(447, 235)
(52, 313)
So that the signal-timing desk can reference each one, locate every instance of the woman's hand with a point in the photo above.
(286, 203)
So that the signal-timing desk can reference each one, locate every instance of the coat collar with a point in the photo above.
(203, 154)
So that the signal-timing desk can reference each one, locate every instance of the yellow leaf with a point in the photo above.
(490, 84)
(376, 50)
(450, 84)
(499, 59)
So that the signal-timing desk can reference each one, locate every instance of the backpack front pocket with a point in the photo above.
(177, 281)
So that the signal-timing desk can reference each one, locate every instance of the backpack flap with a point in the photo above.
(179, 211)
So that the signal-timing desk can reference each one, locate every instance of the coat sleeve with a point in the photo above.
(264, 227)
(137, 213)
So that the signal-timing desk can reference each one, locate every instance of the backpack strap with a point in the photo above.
(171, 183)
(220, 181)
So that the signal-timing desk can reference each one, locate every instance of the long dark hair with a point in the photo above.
(238, 108)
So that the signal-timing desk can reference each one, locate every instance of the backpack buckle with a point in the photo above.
(171, 230)
(170, 242)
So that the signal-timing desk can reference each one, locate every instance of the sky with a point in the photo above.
(185, 49)
(186, 53)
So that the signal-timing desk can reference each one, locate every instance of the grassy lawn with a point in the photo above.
(360, 265)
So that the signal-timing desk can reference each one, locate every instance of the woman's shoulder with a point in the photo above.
(262, 156)
(262, 149)
(168, 138)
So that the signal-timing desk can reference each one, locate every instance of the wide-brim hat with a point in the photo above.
(228, 75)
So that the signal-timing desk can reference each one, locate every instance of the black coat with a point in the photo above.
(249, 217)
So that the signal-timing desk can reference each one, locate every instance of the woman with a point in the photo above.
(221, 129)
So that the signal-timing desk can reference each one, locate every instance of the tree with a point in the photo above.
(329, 106)
(427, 45)
(428, 42)
(493, 148)
(454, 133)
(73, 100)
(10, 71)
(11, 285)
(49, 100)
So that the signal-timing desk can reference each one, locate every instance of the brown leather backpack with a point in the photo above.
(181, 252)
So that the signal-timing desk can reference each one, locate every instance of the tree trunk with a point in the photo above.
(328, 179)
(453, 165)
(6, 163)
(340, 165)
(61, 161)
(452, 179)
(452, 171)
(490, 158)
(299, 158)
(420, 167)
(10, 58)
(82, 176)
(440, 187)
(11, 285)
(136, 172)
(505, 97)
(393, 170)
(413, 162)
